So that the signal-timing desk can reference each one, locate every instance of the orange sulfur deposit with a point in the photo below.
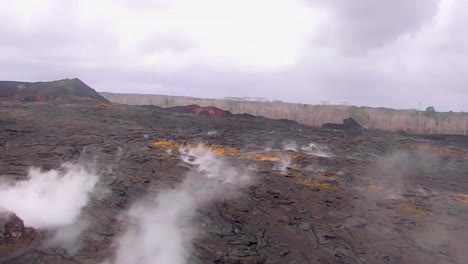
(461, 197)
(320, 185)
(263, 157)
(438, 149)
(103, 105)
(68, 105)
(411, 209)
(374, 188)
(293, 154)
(222, 150)
(324, 174)
(165, 144)
(216, 149)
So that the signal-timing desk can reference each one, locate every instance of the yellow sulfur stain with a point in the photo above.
(165, 144)
(262, 157)
(68, 105)
(103, 105)
(223, 151)
(438, 149)
(324, 174)
(411, 209)
(321, 185)
(216, 149)
(219, 150)
(461, 197)
(293, 154)
(374, 188)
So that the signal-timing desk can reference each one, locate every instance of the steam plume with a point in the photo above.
(160, 229)
(290, 145)
(283, 164)
(317, 150)
(49, 199)
(53, 201)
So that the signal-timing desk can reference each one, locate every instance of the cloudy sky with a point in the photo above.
(366, 52)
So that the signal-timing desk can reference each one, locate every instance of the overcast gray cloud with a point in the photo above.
(392, 53)
(360, 25)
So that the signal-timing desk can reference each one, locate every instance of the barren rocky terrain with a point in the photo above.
(313, 195)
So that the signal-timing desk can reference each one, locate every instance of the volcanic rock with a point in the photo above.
(199, 110)
(349, 124)
(47, 91)
(366, 202)
(15, 238)
(11, 228)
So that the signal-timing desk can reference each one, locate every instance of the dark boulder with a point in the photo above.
(11, 228)
(349, 124)
(30, 98)
(199, 110)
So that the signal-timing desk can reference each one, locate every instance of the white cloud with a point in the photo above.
(254, 35)
(390, 54)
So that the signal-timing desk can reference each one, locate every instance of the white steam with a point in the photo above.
(49, 199)
(290, 145)
(212, 166)
(283, 164)
(53, 201)
(212, 133)
(314, 149)
(160, 229)
(119, 154)
(67, 237)
(389, 175)
(318, 150)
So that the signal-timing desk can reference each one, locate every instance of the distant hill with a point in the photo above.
(47, 91)
(411, 121)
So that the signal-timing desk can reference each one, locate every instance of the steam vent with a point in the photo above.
(88, 180)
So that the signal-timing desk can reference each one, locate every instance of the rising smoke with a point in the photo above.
(392, 173)
(318, 150)
(389, 174)
(67, 236)
(315, 149)
(51, 200)
(290, 145)
(283, 163)
(212, 133)
(402, 180)
(160, 229)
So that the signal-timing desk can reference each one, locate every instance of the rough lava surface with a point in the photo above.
(199, 110)
(47, 91)
(170, 182)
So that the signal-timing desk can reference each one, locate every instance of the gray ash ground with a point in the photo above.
(368, 197)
